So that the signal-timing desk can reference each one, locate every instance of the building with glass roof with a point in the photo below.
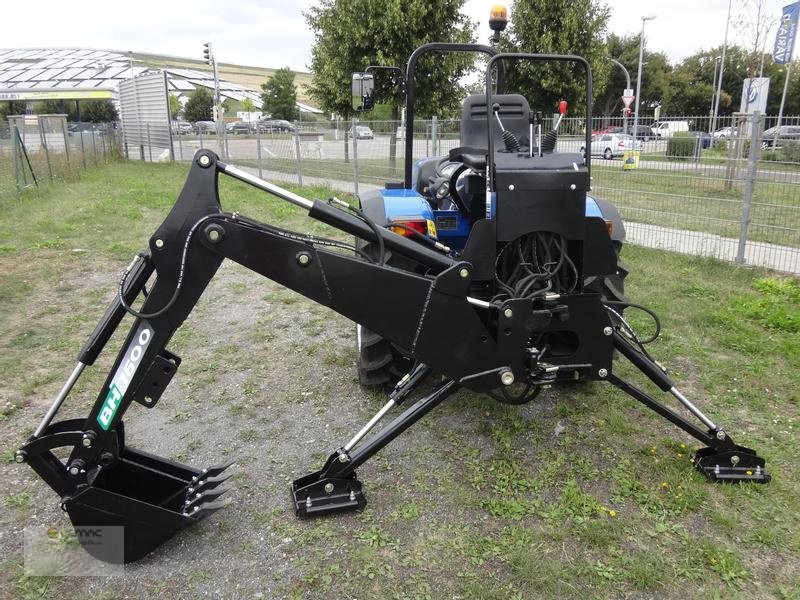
(85, 74)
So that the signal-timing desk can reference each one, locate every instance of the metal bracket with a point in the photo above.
(157, 378)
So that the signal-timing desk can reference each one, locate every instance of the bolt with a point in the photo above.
(195, 509)
(20, 456)
(735, 460)
(106, 458)
(720, 434)
(716, 469)
(464, 272)
(572, 187)
(148, 400)
(213, 236)
(308, 501)
(507, 377)
(303, 259)
(511, 187)
(159, 243)
(352, 496)
(508, 313)
(76, 467)
(204, 160)
(603, 372)
(328, 488)
(607, 331)
(343, 458)
(88, 439)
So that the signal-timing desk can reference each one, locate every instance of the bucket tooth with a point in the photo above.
(201, 497)
(211, 471)
(200, 511)
(207, 483)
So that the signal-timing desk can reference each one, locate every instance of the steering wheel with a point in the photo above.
(447, 173)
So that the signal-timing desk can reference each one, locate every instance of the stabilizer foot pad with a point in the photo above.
(738, 464)
(313, 496)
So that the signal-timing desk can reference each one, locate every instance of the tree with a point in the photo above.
(351, 35)
(248, 106)
(280, 96)
(98, 111)
(558, 27)
(199, 105)
(174, 106)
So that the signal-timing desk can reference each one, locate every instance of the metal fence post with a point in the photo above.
(434, 133)
(94, 147)
(258, 150)
(66, 141)
(750, 180)
(149, 145)
(42, 136)
(355, 154)
(297, 156)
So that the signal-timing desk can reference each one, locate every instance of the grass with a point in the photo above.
(583, 493)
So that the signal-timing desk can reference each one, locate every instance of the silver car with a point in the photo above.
(610, 145)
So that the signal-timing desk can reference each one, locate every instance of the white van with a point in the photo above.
(666, 129)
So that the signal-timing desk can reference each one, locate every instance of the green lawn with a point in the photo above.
(581, 494)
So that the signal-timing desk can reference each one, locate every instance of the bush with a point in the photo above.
(790, 151)
(721, 145)
(770, 155)
(680, 146)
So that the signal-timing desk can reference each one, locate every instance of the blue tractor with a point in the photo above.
(537, 223)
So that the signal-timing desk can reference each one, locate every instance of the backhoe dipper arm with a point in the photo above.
(435, 319)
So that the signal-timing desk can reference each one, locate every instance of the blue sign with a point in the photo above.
(752, 93)
(787, 31)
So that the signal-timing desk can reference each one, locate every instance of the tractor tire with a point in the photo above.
(379, 362)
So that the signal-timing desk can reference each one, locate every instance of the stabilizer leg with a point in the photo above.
(335, 488)
(721, 459)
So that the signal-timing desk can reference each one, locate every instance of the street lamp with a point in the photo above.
(639, 78)
(713, 92)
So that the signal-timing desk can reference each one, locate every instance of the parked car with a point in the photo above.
(609, 145)
(608, 129)
(276, 125)
(205, 127)
(666, 129)
(240, 127)
(724, 133)
(643, 132)
(363, 132)
(182, 127)
(774, 136)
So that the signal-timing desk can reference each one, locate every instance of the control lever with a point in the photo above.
(509, 139)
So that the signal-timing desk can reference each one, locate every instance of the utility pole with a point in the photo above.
(721, 70)
(627, 87)
(208, 56)
(713, 93)
(637, 100)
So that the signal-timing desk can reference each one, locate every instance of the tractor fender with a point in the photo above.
(595, 207)
(383, 206)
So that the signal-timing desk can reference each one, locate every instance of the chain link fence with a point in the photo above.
(38, 149)
(733, 194)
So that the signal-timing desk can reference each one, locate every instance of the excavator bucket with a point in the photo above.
(151, 498)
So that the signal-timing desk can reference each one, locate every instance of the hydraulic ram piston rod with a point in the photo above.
(51, 412)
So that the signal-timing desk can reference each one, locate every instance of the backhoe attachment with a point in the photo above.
(483, 344)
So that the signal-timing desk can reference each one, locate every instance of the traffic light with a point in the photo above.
(208, 53)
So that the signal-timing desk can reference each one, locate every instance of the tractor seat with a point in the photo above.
(514, 111)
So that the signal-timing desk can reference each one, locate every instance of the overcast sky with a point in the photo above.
(272, 33)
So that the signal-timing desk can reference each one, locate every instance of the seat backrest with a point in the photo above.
(513, 113)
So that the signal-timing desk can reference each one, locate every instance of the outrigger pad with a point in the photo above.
(735, 464)
(151, 497)
(315, 495)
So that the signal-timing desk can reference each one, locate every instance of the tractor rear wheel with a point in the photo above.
(379, 362)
